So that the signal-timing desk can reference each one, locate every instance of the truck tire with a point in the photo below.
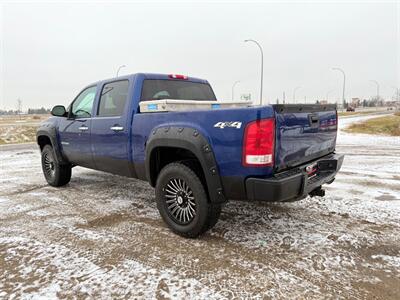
(183, 202)
(54, 173)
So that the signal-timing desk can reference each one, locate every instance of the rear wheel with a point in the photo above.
(54, 173)
(183, 202)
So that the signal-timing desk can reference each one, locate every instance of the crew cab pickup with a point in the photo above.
(198, 157)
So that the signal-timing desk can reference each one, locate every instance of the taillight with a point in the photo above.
(258, 143)
(176, 76)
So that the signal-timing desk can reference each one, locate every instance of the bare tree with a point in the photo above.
(19, 107)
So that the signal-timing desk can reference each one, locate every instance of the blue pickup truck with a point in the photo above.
(195, 159)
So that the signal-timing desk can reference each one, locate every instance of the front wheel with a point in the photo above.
(183, 202)
(54, 173)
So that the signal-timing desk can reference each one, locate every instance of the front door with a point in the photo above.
(75, 130)
(110, 129)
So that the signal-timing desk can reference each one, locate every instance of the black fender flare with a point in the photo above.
(192, 140)
(50, 132)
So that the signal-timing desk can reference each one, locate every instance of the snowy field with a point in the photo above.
(101, 236)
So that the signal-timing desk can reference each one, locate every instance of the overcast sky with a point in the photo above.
(50, 51)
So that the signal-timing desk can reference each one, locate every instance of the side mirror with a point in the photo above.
(59, 111)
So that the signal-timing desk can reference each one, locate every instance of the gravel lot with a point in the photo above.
(101, 236)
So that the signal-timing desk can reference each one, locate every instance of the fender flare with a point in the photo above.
(51, 133)
(192, 140)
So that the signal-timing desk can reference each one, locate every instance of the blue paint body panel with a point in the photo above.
(295, 138)
(226, 143)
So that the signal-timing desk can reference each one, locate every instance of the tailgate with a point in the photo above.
(303, 133)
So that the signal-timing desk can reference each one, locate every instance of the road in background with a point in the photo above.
(101, 236)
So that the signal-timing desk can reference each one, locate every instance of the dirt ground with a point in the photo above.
(101, 236)
(19, 129)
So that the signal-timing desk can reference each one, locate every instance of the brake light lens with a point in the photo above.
(177, 76)
(259, 143)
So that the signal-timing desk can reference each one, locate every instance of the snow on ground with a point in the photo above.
(101, 236)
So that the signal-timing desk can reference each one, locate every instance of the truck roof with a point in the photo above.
(149, 76)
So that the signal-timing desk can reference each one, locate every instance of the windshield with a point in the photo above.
(173, 89)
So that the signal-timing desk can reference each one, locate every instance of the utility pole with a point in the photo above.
(284, 97)
(262, 66)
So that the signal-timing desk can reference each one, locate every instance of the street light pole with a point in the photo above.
(119, 68)
(262, 65)
(344, 84)
(377, 88)
(233, 89)
(397, 93)
(294, 93)
(327, 95)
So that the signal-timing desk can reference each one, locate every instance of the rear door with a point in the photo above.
(110, 129)
(303, 133)
(75, 130)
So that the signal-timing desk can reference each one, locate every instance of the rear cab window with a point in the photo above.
(113, 99)
(159, 89)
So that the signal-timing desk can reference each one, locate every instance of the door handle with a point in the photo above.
(83, 128)
(117, 128)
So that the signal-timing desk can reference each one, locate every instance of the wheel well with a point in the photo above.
(162, 156)
(43, 140)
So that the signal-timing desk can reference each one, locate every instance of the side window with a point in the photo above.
(82, 106)
(113, 99)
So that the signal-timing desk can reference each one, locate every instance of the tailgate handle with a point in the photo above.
(313, 119)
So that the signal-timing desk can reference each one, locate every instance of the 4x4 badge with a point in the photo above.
(233, 124)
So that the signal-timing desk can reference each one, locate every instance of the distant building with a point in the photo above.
(355, 102)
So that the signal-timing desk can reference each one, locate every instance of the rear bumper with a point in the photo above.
(294, 184)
